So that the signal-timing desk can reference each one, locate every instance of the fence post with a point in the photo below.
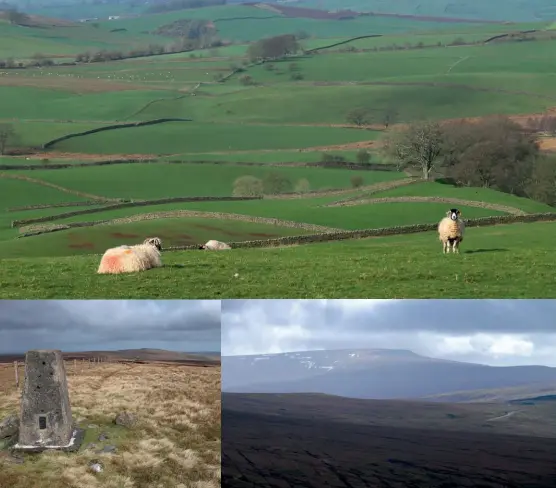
(16, 368)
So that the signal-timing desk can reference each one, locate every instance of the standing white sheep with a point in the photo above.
(450, 231)
(129, 259)
(215, 246)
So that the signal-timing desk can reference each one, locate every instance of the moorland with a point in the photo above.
(175, 438)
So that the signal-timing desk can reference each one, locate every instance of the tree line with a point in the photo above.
(495, 153)
(275, 183)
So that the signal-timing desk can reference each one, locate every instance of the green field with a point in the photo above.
(514, 261)
(151, 181)
(291, 112)
(177, 137)
(501, 10)
(57, 41)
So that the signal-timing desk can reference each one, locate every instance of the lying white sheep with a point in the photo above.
(129, 259)
(450, 231)
(215, 246)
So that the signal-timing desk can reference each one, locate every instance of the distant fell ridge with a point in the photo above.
(145, 354)
(373, 374)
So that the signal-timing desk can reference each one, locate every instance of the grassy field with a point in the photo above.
(510, 261)
(174, 232)
(176, 438)
(247, 23)
(177, 137)
(151, 181)
(63, 41)
(502, 10)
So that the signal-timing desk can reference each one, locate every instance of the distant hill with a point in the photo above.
(147, 355)
(376, 373)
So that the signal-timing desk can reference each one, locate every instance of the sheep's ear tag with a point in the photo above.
(128, 251)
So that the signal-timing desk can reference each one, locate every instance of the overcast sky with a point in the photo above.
(495, 332)
(84, 325)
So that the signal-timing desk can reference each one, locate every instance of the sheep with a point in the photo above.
(128, 259)
(450, 231)
(215, 246)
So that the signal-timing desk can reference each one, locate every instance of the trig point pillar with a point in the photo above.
(45, 418)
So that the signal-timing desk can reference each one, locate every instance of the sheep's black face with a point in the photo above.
(201, 247)
(454, 213)
(155, 242)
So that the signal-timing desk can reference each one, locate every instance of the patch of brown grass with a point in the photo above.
(56, 156)
(176, 442)
(72, 84)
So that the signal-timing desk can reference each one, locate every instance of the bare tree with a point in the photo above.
(418, 146)
(358, 116)
(248, 186)
(302, 186)
(542, 184)
(275, 183)
(363, 156)
(7, 135)
(390, 116)
(17, 18)
(495, 153)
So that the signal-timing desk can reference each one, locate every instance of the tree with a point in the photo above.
(17, 18)
(273, 47)
(418, 146)
(7, 135)
(356, 181)
(329, 158)
(275, 183)
(493, 153)
(358, 116)
(246, 80)
(363, 156)
(390, 116)
(302, 186)
(542, 184)
(248, 186)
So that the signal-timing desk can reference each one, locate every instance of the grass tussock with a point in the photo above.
(174, 444)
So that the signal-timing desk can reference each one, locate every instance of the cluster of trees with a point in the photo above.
(493, 153)
(172, 5)
(15, 17)
(194, 33)
(273, 47)
(361, 116)
(273, 183)
(179, 46)
(361, 157)
(545, 124)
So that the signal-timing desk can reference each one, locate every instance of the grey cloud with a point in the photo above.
(185, 325)
(491, 331)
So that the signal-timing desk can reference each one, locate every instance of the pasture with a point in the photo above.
(176, 438)
(64, 41)
(498, 10)
(506, 261)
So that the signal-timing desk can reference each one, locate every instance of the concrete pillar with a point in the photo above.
(45, 419)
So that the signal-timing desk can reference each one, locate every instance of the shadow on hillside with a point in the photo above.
(479, 251)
